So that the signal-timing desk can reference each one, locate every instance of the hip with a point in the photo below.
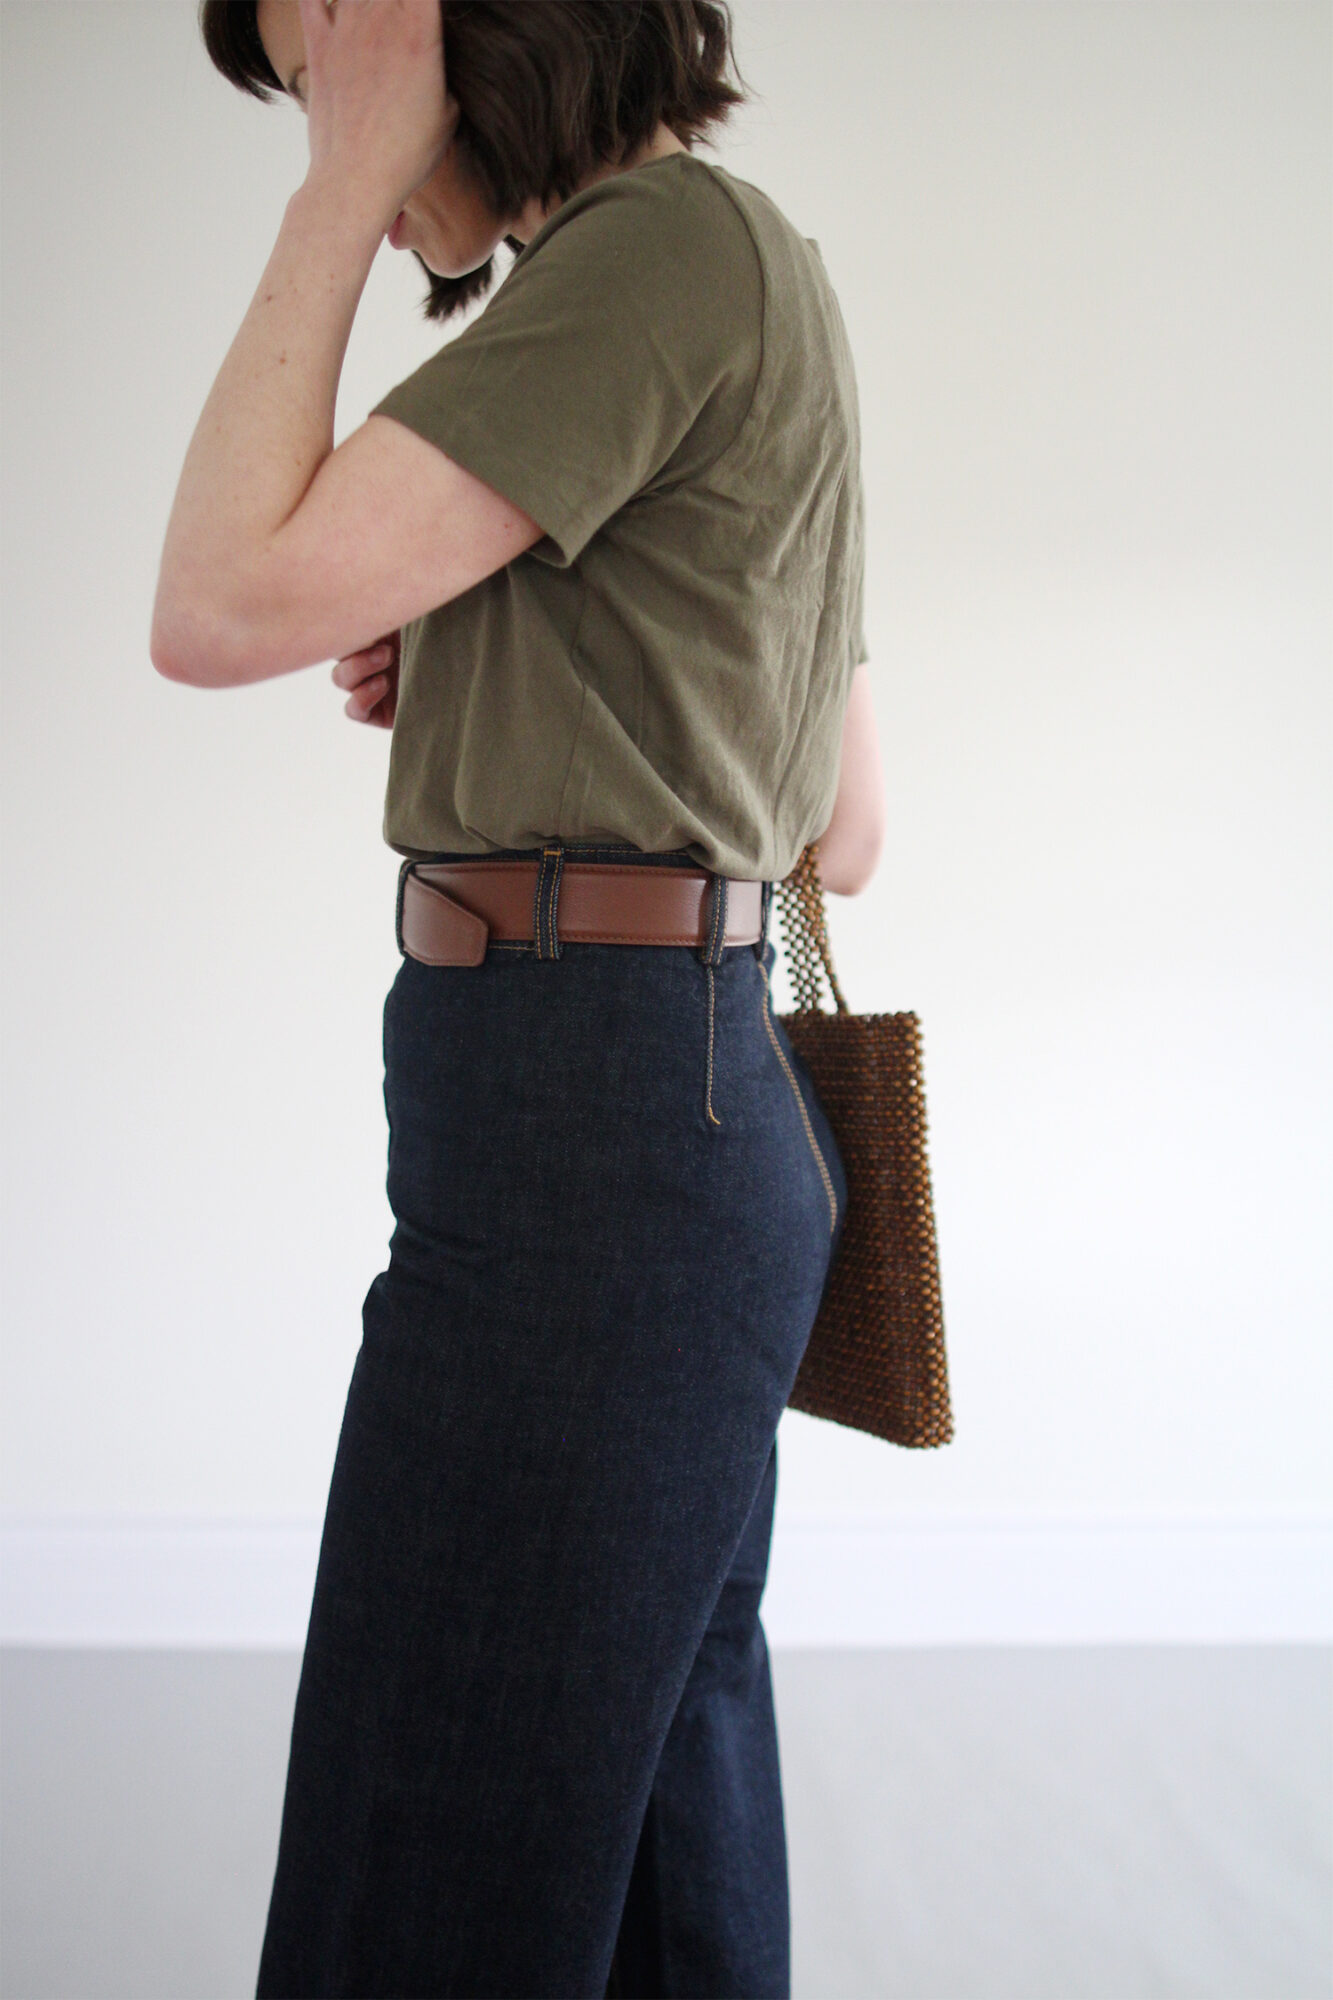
(617, 1102)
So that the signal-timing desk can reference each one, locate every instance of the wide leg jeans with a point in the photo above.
(534, 1751)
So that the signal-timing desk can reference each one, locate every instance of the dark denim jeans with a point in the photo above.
(533, 1751)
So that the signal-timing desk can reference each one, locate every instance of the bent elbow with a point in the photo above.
(870, 857)
(181, 651)
(852, 875)
(850, 863)
(186, 669)
(170, 664)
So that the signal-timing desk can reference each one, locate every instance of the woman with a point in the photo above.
(610, 541)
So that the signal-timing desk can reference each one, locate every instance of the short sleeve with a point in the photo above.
(632, 320)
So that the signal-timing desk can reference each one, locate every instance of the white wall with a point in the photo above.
(1083, 252)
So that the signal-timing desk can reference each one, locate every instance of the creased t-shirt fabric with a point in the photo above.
(663, 382)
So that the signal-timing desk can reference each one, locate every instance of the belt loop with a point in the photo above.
(403, 873)
(710, 951)
(765, 904)
(547, 896)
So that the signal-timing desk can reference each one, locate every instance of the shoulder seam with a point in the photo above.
(731, 443)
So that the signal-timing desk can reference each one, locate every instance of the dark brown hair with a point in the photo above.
(548, 91)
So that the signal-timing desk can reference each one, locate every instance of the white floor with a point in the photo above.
(965, 1823)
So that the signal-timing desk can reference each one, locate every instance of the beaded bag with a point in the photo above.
(875, 1358)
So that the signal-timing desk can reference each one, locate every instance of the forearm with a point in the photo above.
(264, 431)
(850, 845)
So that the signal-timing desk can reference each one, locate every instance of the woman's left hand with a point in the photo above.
(380, 115)
(372, 677)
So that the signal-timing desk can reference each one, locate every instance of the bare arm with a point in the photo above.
(281, 551)
(849, 847)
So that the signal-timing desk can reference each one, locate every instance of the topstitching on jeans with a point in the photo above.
(709, 1112)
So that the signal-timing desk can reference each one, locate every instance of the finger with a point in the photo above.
(354, 667)
(367, 694)
(382, 712)
(357, 710)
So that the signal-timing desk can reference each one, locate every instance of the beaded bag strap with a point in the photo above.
(805, 932)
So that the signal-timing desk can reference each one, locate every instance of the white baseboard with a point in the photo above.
(919, 1582)
(1005, 1581)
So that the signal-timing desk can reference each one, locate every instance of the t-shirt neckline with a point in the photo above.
(643, 167)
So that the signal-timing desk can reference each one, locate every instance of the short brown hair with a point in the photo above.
(548, 91)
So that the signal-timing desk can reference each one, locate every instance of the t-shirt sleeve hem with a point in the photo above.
(563, 534)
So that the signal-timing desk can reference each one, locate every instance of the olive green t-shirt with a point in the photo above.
(663, 382)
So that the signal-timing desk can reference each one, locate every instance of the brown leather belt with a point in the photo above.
(449, 911)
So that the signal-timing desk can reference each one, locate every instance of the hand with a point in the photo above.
(379, 113)
(372, 675)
